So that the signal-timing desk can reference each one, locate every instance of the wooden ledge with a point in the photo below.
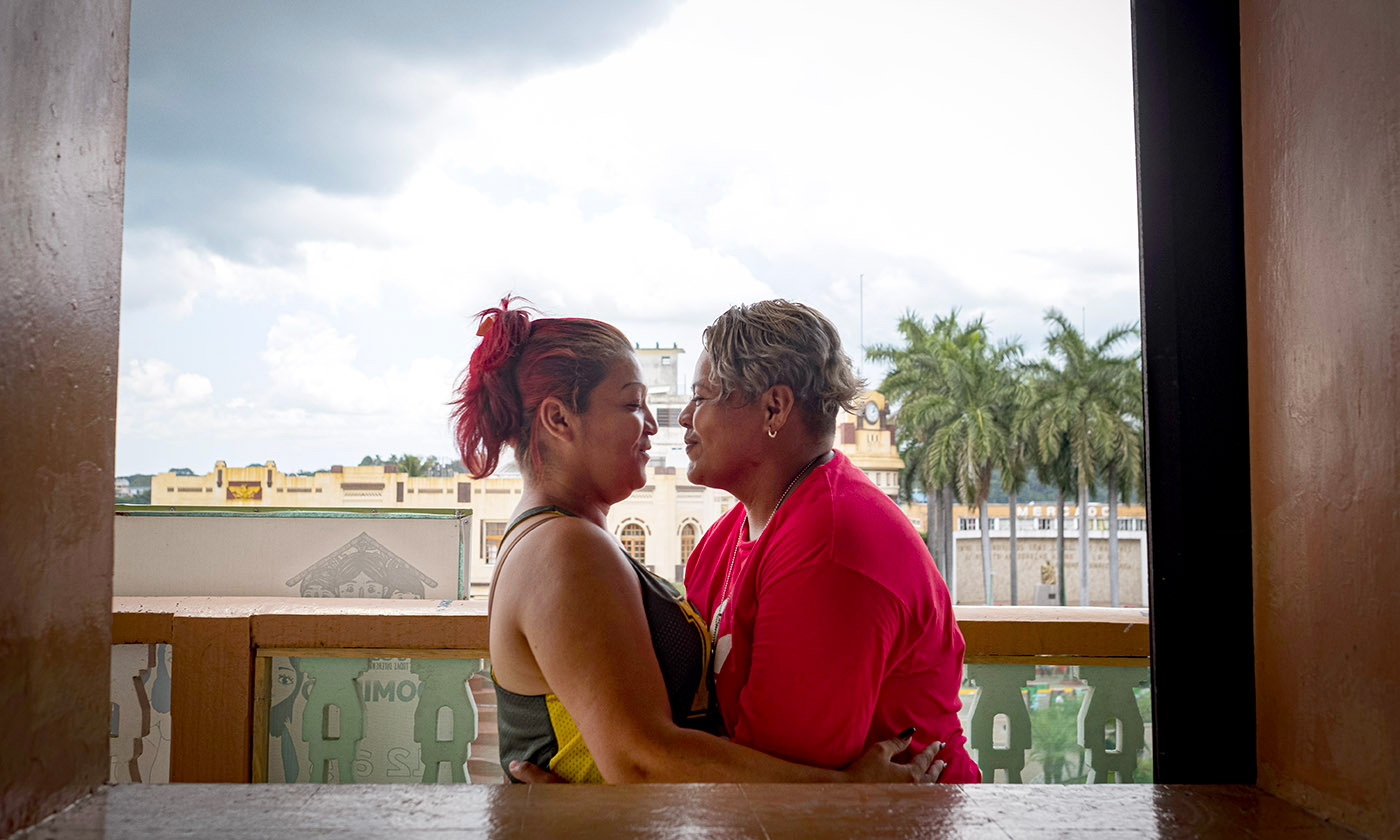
(320, 623)
(993, 634)
(442, 626)
(999, 634)
(805, 812)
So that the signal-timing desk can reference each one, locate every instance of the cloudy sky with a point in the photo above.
(320, 194)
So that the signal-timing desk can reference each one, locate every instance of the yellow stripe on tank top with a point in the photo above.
(573, 762)
(701, 701)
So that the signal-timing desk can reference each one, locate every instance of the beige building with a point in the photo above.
(1037, 555)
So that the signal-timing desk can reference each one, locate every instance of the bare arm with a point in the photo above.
(574, 601)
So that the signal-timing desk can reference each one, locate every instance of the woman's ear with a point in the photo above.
(778, 403)
(556, 420)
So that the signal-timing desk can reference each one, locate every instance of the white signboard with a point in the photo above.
(284, 554)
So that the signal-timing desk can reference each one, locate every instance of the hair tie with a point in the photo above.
(486, 324)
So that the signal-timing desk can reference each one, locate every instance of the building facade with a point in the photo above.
(1037, 554)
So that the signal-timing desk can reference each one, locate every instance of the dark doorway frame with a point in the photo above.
(1186, 80)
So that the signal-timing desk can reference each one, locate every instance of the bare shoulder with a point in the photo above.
(561, 598)
(569, 553)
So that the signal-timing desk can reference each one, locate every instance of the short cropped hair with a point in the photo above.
(755, 346)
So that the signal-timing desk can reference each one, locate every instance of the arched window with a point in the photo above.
(634, 542)
(688, 535)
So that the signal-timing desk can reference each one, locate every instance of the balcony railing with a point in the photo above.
(246, 689)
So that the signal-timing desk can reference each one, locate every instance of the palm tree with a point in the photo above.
(983, 388)
(1121, 445)
(1052, 467)
(1016, 461)
(919, 384)
(1078, 395)
(909, 385)
(911, 479)
(979, 385)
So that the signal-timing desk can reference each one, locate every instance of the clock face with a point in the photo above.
(872, 413)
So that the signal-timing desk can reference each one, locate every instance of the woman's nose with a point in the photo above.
(684, 418)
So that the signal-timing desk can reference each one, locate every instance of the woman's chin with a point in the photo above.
(624, 491)
(695, 474)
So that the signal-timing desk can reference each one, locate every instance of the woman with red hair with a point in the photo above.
(600, 666)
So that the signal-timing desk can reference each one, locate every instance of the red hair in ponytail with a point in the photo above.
(520, 362)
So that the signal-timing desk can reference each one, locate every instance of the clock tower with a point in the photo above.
(867, 438)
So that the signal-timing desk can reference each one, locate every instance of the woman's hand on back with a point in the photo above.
(531, 774)
(880, 763)
(876, 764)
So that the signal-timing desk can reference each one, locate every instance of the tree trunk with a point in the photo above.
(1060, 545)
(1083, 544)
(935, 541)
(1011, 509)
(982, 525)
(1113, 535)
(950, 546)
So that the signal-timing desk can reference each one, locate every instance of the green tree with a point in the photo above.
(1052, 467)
(956, 391)
(1078, 394)
(917, 386)
(1121, 451)
(1017, 459)
(976, 434)
(1055, 738)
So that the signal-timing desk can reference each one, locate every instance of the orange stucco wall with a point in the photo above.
(1321, 131)
(62, 141)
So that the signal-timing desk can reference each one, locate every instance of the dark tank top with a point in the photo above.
(538, 729)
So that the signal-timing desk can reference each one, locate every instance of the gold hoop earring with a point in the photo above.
(772, 433)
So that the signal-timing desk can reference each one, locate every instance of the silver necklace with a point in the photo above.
(734, 555)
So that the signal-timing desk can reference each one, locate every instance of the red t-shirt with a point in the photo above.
(839, 631)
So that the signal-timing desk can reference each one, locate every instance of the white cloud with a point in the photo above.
(321, 404)
(312, 366)
(163, 270)
(968, 143)
(973, 155)
(932, 133)
(157, 383)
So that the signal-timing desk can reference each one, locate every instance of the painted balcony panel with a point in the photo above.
(140, 713)
(376, 690)
(394, 720)
(1059, 724)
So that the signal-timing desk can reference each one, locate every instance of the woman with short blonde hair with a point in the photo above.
(833, 628)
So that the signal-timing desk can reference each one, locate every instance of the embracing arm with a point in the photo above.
(587, 632)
